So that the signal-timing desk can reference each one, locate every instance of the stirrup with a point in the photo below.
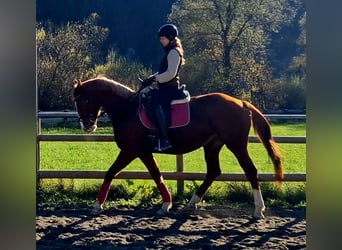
(162, 145)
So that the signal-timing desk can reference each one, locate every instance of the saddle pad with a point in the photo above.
(180, 116)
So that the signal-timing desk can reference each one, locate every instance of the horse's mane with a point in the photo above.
(118, 88)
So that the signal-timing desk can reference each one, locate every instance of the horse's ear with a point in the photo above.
(77, 82)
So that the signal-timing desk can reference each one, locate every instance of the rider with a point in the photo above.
(167, 79)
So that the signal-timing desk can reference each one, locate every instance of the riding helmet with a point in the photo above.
(168, 30)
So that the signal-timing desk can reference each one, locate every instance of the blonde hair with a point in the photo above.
(178, 45)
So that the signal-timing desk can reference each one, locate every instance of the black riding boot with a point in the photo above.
(163, 142)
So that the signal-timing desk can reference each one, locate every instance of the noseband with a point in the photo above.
(92, 117)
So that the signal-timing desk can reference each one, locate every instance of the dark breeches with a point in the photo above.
(164, 95)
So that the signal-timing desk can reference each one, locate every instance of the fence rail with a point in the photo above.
(94, 174)
(109, 138)
(73, 114)
(178, 175)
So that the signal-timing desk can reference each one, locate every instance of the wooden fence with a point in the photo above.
(178, 175)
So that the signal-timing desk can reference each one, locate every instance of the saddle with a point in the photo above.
(178, 115)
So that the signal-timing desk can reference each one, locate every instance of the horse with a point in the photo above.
(216, 119)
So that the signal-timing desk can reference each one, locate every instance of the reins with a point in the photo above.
(137, 93)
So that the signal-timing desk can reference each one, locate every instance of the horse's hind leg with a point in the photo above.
(251, 172)
(211, 154)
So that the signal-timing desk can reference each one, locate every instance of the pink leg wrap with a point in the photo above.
(102, 196)
(164, 192)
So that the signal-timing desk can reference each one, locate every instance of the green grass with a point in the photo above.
(100, 155)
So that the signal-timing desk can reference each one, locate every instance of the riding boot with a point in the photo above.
(163, 142)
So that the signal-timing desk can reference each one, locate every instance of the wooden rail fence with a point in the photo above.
(178, 175)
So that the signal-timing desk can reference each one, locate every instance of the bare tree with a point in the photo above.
(228, 39)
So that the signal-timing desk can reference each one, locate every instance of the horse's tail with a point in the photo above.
(262, 130)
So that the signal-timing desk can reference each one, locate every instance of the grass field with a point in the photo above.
(100, 155)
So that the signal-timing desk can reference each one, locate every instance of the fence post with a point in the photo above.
(180, 168)
(38, 132)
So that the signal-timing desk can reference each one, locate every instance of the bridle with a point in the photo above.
(92, 117)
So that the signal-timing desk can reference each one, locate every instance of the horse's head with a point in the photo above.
(87, 106)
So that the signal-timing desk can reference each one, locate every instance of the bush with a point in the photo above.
(64, 54)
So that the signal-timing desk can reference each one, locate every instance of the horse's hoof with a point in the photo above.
(258, 216)
(162, 212)
(258, 213)
(191, 208)
(97, 209)
(165, 208)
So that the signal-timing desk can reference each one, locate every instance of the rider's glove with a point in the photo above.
(148, 81)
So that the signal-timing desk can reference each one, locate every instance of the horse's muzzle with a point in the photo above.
(87, 127)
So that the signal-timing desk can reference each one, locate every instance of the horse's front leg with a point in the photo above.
(152, 167)
(123, 159)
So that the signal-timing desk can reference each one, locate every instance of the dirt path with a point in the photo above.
(207, 228)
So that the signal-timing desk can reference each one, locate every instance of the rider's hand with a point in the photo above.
(148, 81)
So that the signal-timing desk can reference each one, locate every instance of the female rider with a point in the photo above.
(167, 79)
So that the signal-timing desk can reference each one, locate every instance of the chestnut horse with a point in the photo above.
(216, 119)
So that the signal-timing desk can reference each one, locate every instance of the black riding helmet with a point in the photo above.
(168, 30)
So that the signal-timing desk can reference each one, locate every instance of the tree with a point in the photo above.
(63, 54)
(133, 24)
(121, 69)
(228, 40)
(294, 78)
